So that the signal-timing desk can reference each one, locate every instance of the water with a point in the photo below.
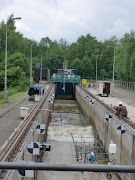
(66, 118)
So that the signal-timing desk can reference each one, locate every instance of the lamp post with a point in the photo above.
(114, 61)
(96, 63)
(31, 66)
(41, 67)
(5, 91)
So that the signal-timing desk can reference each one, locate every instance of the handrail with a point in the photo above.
(64, 167)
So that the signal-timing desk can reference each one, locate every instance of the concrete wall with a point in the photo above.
(41, 118)
(107, 130)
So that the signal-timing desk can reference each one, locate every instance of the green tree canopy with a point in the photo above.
(19, 59)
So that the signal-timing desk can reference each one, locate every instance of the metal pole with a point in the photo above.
(114, 62)
(5, 92)
(41, 69)
(31, 66)
(65, 167)
(113, 68)
(96, 68)
(96, 65)
(121, 149)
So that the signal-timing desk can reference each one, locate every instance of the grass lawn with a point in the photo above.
(11, 97)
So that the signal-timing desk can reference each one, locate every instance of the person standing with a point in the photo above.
(43, 91)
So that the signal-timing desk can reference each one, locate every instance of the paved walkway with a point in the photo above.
(11, 104)
(126, 97)
(10, 116)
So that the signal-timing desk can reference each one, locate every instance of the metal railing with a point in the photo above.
(65, 167)
(65, 78)
(125, 85)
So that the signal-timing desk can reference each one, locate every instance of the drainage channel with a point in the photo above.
(67, 133)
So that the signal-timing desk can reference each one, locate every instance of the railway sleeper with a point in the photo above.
(3, 173)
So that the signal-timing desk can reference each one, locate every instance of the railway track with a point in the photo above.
(13, 146)
(126, 120)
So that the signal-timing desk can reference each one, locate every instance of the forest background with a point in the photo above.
(81, 56)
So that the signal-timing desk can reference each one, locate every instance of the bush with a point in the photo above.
(23, 84)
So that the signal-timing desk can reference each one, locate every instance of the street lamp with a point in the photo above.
(31, 66)
(96, 63)
(114, 61)
(41, 67)
(5, 91)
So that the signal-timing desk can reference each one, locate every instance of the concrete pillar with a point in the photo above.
(6, 97)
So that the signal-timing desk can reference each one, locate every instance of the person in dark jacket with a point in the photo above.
(122, 110)
(43, 91)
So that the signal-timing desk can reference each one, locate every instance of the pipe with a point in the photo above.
(63, 167)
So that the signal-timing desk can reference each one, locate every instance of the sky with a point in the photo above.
(69, 19)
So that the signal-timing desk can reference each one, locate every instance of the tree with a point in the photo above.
(103, 73)
(77, 65)
(14, 75)
(125, 64)
(63, 46)
(87, 66)
(19, 59)
(54, 59)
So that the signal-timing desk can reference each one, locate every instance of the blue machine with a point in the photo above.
(34, 90)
